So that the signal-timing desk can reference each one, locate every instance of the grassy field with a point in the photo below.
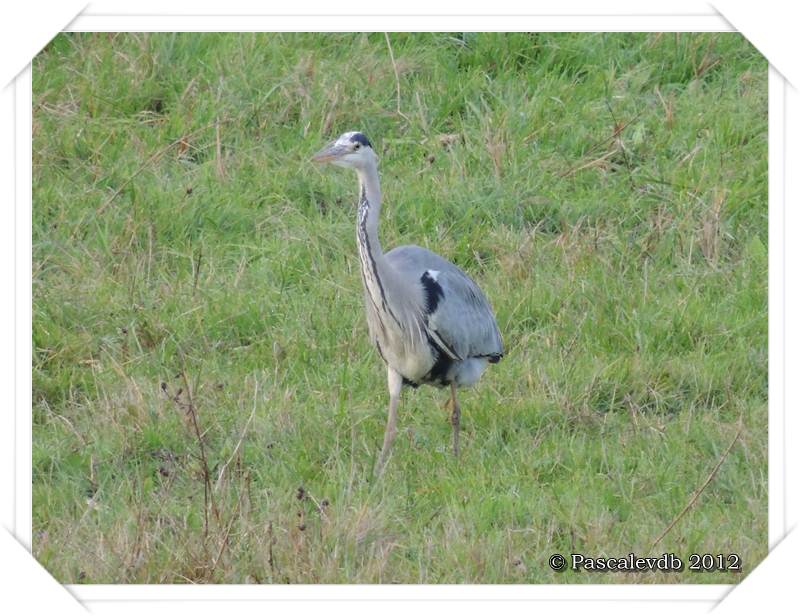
(207, 407)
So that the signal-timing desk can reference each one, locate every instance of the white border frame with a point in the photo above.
(699, 594)
(777, 508)
(23, 515)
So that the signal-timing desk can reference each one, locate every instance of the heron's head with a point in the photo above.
(351, 150)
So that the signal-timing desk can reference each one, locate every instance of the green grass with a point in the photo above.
(607, 191)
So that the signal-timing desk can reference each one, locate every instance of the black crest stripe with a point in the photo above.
(360, 138)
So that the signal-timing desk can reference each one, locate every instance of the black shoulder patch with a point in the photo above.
(360, 138)
(433, 292)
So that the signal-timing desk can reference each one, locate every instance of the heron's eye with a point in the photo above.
(356, 146)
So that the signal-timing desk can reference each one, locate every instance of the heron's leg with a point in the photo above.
(455, 418)
(448, 404)
(395, 386)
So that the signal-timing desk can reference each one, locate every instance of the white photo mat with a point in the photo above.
(578, 16)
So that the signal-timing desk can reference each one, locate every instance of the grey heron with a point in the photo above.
(429, 321)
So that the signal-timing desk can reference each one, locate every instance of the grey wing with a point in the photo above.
(459, 316)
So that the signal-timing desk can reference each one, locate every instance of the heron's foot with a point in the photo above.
(386, 450)
(380, 465)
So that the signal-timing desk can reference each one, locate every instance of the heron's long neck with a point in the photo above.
(381, 283)
(369, 209)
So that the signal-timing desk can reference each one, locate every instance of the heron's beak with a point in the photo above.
(330, 152)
